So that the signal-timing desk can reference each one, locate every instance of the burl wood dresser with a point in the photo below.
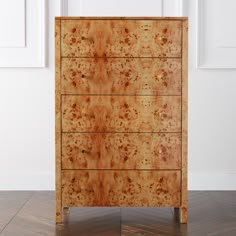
(121, 112)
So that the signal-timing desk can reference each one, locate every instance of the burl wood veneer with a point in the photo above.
(121, 112)
(121, 150)
(125, 76)
(120, 188)
(120, 38)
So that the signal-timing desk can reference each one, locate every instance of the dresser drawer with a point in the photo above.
(121, 113)
(121, 38)
(121, 151)
(124, 76)
(120, 188)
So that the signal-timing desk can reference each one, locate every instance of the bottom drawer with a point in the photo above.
(120, 188)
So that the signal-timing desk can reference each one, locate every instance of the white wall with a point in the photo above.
(27, 113)
(27, 120)
(212, 114)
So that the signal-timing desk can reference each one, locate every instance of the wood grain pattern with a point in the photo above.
(120, 188)
(121, 113)
(135, 76)
(184, 187)
(121, 38)
(58, 121)
(121, 151)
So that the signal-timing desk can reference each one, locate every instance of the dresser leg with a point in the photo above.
(182, 214)
(58, 214)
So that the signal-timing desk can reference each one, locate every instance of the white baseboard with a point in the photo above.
(46, 181)
(27, 181)
(212, 181)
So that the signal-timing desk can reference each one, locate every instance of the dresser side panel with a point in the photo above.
(58, 119)
(184, 203)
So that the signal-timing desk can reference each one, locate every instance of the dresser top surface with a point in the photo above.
(118, 18)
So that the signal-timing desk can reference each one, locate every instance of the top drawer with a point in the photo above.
(121, 38)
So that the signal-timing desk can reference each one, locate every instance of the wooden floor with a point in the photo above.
(32, 213)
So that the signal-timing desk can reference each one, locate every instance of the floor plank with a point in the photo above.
(10, 204)
(150, 221)
(35, 218)
(211, 213)
(87, 221)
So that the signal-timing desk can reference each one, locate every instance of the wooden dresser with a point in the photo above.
(121, 112)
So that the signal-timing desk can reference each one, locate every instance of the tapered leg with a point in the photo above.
(181, 214)
(58, 215)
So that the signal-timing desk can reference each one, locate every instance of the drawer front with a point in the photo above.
(124, 76)
(120, 188)
(121, 38)
(121, 113)
(121, 151)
